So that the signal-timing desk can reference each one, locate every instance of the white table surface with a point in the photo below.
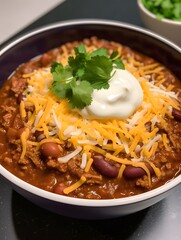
(17, 14)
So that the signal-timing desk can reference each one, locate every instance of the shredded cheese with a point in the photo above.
(121, 170)
(67, 157)
(22, 109)
(84, 161)
(111, 138)
(75, 185)
(88, 166)
(24, 137)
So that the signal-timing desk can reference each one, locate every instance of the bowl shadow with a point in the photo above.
(33, 222)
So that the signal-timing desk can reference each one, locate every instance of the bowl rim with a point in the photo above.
(78, 201)
(86, 21)
(153, 16)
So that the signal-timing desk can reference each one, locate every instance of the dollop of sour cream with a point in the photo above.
(120, 100)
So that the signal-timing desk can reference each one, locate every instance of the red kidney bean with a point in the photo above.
(58, 188)
(39, 135)
(176, 113)
(104, 167)
(132, 172)
(20, 98)
(50, 149)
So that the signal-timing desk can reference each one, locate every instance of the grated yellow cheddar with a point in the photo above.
(107, 137)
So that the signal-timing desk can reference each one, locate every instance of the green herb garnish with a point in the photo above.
(170, 9)
(84, 73)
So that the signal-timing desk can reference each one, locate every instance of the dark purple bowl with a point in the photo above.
(48, 37)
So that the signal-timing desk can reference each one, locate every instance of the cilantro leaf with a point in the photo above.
(114, 55)
(99, 52)
(116, 59)
(78, 63)
(98, 71)
(62, 77)
(80, 49)
(81, 94)
(60, 73)
(119, 64)
(62, 90)
(84, 73)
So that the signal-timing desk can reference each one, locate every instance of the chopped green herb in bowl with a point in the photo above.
(169, 9)
(162, 17)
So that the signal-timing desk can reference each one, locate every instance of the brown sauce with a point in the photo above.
(40, 167)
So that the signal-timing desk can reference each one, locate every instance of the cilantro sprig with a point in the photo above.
(84, 73)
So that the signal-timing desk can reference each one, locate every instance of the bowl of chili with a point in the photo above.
(75, 167)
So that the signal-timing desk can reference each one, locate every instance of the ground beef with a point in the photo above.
(50, 174)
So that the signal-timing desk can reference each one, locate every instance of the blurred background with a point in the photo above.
(17, 14)
(20, 16)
